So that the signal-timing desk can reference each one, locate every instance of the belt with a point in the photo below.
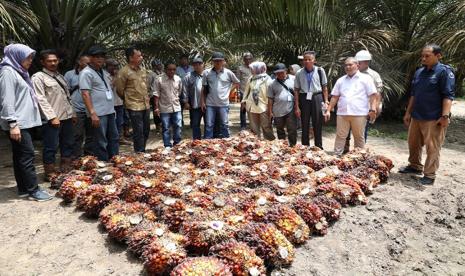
(313, 94)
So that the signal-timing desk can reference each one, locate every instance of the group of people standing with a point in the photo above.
(87, 110)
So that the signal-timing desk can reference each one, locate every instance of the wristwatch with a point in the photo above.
(446, 116)
(371, 110)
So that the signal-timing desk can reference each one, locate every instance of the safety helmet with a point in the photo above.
(363, 55)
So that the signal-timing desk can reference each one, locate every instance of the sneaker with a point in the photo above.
(408, 169)
(40, 195)
(426, 181)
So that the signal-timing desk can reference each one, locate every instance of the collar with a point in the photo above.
(134, 67)
(432, 68)
(197, 74)
(221, 71)
(356, 75)
(313, 70)
(50, 72)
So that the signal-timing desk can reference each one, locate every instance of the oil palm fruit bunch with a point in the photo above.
(289, 223)
(329, 206)
(72, 185)
(107, 175)
(326, 175)
(93, 199)
(368, 176)
(311, 214)
(201, 266)
(87, 163)
(137, 188)
(202, 234)
(143, 234)
(268, 242)
(163, 253)
(240, 258)
(119, 218)
(57, 180)
(381, 165)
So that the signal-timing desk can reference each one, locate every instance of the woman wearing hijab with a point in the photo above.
(255, 101)
(293, 69)
(19, 113)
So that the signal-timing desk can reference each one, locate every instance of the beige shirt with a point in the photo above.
(131, 86)
(261, 87)
(54, 101)
(243, 74)
(168, 92)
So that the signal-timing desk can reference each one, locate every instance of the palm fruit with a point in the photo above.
(72, 186)
(289, 223)
(88, 163)
(268, 242)
(380, 164)
(329, 206)
(201, 235)
(107, 175)
(344, 193)
(240, 258)
(93, 199)
(368, 176)
(143, 234)
(119, 218)
(163, 253)
(327, 175)
(311, 214)
(136, 189)
(313, 159)
(199, 199)
(201, 266)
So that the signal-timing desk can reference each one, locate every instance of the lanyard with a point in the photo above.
(63, 87)
(309, 76)
(100, 74)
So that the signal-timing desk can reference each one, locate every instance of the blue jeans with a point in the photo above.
(196, 116)
(140, 121)
(53, 138)
(105, 138)
(222, 112)
(119, 119)
(171, 120)
(23, 163)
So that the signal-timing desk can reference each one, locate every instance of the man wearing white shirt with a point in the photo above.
(355, 95)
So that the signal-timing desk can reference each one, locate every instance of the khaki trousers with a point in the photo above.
(261, 122)
(431, 135)
(344, 125)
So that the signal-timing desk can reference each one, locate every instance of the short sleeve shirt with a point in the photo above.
(76, 98)
(314, 86)
(90, 80)
(168, 92)
(219, 86)
(354, 93)
(429, 88)
(283, 99)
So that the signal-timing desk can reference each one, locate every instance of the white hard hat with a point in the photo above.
(363, 55)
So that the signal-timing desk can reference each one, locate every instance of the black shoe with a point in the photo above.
(408, 169)
(426, 181)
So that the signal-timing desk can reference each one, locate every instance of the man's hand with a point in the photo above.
(187, 106)
(327, 115)
(203, 107)
(372, 116)
(407, 119)
(157, 111)
(15, 134)
(74, 120)
(55, 122)
(297, 112)
(95, 120)
(443, 122)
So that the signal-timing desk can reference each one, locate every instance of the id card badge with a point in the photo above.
(309, 96)
(109, 95)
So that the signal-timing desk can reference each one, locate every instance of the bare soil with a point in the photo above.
(405, 229)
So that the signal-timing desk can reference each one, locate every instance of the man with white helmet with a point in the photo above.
(364, 57)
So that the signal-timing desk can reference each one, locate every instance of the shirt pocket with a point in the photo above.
(51, 86)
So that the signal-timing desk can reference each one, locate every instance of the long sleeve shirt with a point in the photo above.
(258, 87)
(168, 92)
(16, 103)
(131, 86)
(53, 95)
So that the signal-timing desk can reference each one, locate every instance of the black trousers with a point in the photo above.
(289, 122)
(23, 163)
(140, 121)
(311, 110)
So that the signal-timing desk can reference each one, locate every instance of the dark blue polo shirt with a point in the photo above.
(429, 88)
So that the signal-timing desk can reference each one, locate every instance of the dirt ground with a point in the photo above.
(405, 229)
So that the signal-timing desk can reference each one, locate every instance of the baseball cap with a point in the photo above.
(197, 60)
(280, 67)
(217, 56)
(96, 51)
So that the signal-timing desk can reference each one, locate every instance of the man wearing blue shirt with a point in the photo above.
(428, 113)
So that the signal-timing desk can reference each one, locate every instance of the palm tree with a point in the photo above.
(13, 15)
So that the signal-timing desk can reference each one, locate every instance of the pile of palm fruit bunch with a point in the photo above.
(235, 206)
